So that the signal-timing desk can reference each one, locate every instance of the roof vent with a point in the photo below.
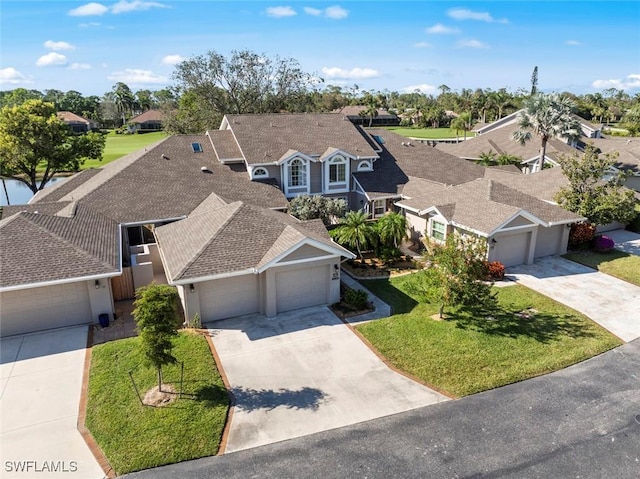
(404, 144)
(164, 157)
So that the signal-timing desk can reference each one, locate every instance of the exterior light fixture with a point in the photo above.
(335, 266)
(493, 241)
(97, 284)
(192, 288)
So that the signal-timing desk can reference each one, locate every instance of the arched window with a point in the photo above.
(260, 173)
(297, 173)
(337, 170)
(364, 166)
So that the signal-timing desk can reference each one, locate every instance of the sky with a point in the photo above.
(578, 46)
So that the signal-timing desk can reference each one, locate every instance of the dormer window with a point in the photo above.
(297, 173)
(365, 166)
(337, 170)
(260, 173)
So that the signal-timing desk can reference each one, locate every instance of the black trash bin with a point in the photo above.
(104, 320)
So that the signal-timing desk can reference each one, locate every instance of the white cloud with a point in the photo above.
(136, 76)
(51, 45)
(422, 87)
(422, 45)
(471, 44)
(353, 74)
(79, 66)
(573, 42)
(336, 12)
(51, 59)
(172, 59)
(631, 82)
(279, 12)
(123, 6)
(312, 11)
(440, 29)
(466, 14)
(12, 76)
(89, 9)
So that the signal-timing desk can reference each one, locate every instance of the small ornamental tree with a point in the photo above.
(157, 318)
(392, 228)
(311, 207)
(456, 274)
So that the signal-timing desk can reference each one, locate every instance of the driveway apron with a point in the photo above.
(304, 372)
(40, 396)
(627, 241)
(609, 301)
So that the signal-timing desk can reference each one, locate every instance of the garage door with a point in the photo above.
(301, 288)
(512, 250)
(43, 308)
(549, 241)
(229, 297)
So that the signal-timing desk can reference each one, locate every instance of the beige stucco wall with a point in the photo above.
(101, 299)
(416, 225)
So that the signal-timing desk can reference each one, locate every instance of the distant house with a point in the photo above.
(150, 120)
(77, 123)
(353, 114)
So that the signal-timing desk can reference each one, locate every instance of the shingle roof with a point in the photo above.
(628, 149)
(41, 208)
(484, 205)
(36, 248)
(354, 111)
(167, 181)
(542, 184)
(266, 138)
(224, 145)
(60, 189)
(234, 237)
(149, 115)
(401, 159)
(70, 117)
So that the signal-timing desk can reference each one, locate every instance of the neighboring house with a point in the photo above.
(628, 156)
(383, 118)
(150, 120)
(77, 123)
(205, 213)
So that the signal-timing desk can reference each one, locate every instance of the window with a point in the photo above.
(337, 173)
(260, 173)
(297, 173)
(438, 230)
(197, 147)
(364, 166)
(379, 208)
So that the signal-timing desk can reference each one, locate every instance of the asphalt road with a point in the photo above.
(581, 422)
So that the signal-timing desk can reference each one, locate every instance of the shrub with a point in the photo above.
(496, 270)
(603, 244)
(635, 223)
(356, 298)
(581, 234)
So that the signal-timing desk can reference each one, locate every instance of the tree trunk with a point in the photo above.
(543, 153)
(441, 312)
(6, 193)
(160, 379)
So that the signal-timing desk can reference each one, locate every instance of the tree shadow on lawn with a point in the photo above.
(538, 325)
(249, 399)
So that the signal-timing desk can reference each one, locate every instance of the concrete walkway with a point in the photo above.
(611, 302)
(304, 372)
(626, 241)
(40, 397)
(383, 310)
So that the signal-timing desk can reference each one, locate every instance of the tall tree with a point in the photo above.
(462, 122)
(547, 116)
(35, 144)
(392, 229)
(245, 82)
(355, 232)
(124, 99)
(156, 315)
(594, 191)
(534, 81)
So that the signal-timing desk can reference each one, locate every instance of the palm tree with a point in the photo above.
(548, 116)
(392, 228)
(462, 122)
(354, 231)
(487, 159)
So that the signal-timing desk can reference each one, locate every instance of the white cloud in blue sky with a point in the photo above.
(57, 46)
(422, 45)
(11, 76)
(135, 76)
(279, 12)
(89, 9)
(422, 87)
(465, 14)
(80, 66)
(51, 59)
(172, 59)
(123, 6)
(350, 74)
(440, 29)
(471, 44)
(573, 43)
(631, 82)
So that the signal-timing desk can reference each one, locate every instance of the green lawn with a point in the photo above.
(428, 133)
(469, 353)
(616, 263)
(135, 437)
(120, 145)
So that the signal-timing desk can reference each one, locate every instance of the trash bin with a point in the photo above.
(104, 320)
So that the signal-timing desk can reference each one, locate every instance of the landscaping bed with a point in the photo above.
(372, 267)
(347, 307)
(469, 352)
(615, 263)
(135, 437)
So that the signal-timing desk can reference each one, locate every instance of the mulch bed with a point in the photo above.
(372, 267)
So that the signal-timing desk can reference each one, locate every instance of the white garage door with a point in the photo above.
(301, 288)
(37, 309)
(512, 250)
(229, 297)
(549, 241)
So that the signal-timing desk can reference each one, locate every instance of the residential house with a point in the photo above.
(355, 114)
(77, 123)
(150, 120)
(206, 213)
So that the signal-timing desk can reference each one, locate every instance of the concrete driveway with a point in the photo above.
(610, 302)
(39, 400)
(305, 372)
(626, 241)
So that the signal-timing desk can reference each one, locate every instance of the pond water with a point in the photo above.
(19, 193)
